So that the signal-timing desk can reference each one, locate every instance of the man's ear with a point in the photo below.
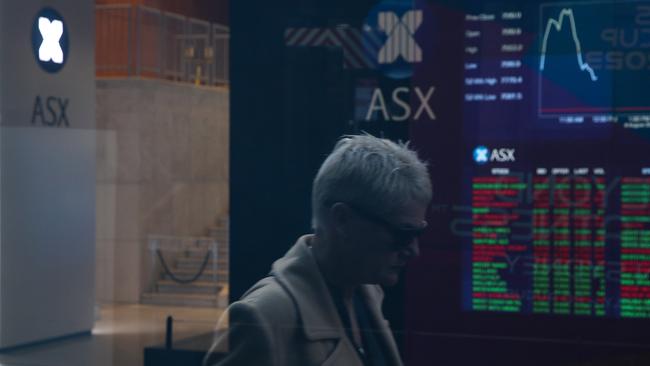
(341, 216)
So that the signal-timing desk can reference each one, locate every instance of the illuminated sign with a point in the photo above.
(483, 155)
(389, 37)
(400, 33)
(50, 40)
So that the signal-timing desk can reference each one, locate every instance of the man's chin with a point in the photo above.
(390, 279)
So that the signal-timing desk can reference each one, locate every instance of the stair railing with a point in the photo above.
(160, 243)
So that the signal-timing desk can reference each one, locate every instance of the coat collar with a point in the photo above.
(298, 273)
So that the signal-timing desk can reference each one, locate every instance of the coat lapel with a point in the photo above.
(373, 296)
(298, 273)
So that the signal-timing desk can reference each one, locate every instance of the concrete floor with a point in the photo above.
(118, 338)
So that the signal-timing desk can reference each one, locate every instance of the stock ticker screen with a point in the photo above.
(555, 198)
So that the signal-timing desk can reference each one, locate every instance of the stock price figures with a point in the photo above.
(568, 233)
(558, 240)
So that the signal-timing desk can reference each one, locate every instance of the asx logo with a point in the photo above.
(483, 155)
(391, 34)
(50, 111)
(50, 49)
(401, 108)
(400, 41)
(50, 40)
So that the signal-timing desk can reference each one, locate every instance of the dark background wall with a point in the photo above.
(288, 108)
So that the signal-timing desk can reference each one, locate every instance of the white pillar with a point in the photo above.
(47, 169)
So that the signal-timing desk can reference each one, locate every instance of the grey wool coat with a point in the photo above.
(289, 319)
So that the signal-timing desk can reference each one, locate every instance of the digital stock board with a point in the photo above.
(540, 157)
(557, 180)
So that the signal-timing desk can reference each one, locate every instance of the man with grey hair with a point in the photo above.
(321, 303)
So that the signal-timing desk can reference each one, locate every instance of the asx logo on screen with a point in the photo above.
(483, 155)
(400, 32)
(390, 39)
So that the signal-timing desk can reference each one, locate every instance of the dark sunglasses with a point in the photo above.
(404, 235)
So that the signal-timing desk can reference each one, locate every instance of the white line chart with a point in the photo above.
(557, 24)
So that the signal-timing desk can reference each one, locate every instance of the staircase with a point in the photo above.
(210, 289)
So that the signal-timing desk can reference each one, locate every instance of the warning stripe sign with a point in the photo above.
(357, 54)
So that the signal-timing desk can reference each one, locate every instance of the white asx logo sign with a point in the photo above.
(50, 49)
(50, 40)
(400, 33)
(483, 155)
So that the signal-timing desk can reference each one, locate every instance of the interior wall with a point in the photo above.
(162, 169)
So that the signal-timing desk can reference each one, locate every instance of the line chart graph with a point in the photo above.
(569, 83)
(593, 59)
(566, 13)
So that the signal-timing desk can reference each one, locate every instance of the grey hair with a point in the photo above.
(373, 173)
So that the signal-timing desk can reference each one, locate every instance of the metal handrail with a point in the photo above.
(158, 243)
(141, 41)
(180, 280)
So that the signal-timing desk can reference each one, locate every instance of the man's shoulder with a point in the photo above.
(269, 300)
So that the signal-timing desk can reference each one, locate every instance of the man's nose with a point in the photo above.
(413, 249)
